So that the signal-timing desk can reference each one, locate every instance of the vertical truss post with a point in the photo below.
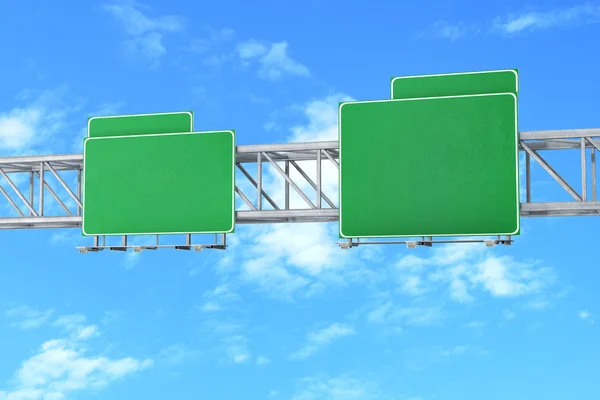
(259, 179)
(79, 209)
(583, 170)
(319, 178)
(287, 185)
(41, 194)
(593, 167)
(31, 194)
(528, 177)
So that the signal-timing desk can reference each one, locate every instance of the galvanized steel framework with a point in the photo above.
(28, 201)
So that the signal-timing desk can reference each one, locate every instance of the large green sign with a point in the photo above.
(141, 124)
(455, 84)
(438, 166)
(174, 183)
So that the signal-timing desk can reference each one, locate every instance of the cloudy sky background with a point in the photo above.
(283, 313)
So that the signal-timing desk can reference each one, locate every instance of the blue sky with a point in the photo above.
(283, 313)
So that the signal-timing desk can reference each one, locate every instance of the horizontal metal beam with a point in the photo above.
(559, 134)
(560, 209)
(548, 209)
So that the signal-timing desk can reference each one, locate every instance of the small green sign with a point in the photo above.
(455, 84)
(439, 166)
(141, 124)
(178, 183)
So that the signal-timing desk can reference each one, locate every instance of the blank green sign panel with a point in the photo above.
(140, 124)
(456, 84)
(159, 184)
(442, 166)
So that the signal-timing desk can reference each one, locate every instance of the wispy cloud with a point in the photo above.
(37, 120)
(446, 30)
(464, 268)
(237, 349)
(508, 314)
(393, 314)
(64, 366)
(217, 298)
(455, 351)
(560, 17)
(178, 354)
(273, 59)
(586, 316)
(475, 324)
(317, 340)
(145, 33)
(261, 360)
(343, 387)
(515, 23)
(111, 316)
(25, 317)
(213, 38)
(76, 326)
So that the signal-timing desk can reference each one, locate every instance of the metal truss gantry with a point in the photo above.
(30, 180)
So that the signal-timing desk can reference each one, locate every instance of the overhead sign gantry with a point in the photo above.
(437, 159)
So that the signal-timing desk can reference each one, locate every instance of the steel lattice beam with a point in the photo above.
(25, 183)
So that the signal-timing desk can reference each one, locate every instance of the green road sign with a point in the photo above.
(441, 166)
(456, 84)
(159, 184)
(141, 124)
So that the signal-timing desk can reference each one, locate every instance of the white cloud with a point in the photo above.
(177, 354)
(508, 314)
(537, 304)
(146, 34)
(463, 268)
(317, 340)
(34, 122)
(475, 324)
(445, 30)
(111, 316)
(28, 318)
(130, 259)
(273, 59)
(75, 325)
(575, 15)
(64, 366)
(250, 49)
(237, 349)
(504, 277)
(338, 388)
(214, 37)
(455, 351)
(586, 316)
(321, 119)
(391, 314)
(216, 299)
(261, 360)
(17, 126)
(583, 14)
